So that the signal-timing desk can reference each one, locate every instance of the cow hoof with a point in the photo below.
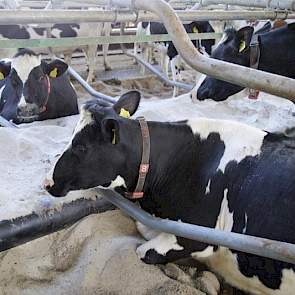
(176, 273)
(152, 257)
(208, 283)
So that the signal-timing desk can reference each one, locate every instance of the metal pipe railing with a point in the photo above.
(23, 229)
(274, 4)
(243, 76)
(5, 123)
(89, 89)
(254, 245)
(41, 16)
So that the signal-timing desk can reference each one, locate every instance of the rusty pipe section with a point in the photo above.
(243, 76)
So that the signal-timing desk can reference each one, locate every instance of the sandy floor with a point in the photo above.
(96, 256)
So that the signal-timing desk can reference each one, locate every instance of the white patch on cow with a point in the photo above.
(208, 187)
(119, 181)
(85, 119)
(224, 262)
(224, 222)
(147, 232)
(246, 222)
(161, 244)
(240, 140)
(1, 90)
(199, 81)
(24, 64)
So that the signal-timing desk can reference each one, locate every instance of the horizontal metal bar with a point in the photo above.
(274, 4)
(41, 16)
(84, 41)
(254, 245)
(20, 230)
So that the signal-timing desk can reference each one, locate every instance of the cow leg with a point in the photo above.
(91, 59)
(68, 58)
(107, 28)
(146, 57)
(161, 250)
(175, 75)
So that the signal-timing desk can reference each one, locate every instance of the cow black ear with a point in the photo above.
(5, 68)
(245, 35)
(110, 130)
(56, 68)
(128, 102)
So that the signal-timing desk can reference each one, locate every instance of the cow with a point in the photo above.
(168, 51)
(61, 31)
(214, 173)
(32, 89)
(276, 48)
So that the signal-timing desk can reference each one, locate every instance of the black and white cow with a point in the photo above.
(61, 31)
(33, 88)
(215, 173)
(168, 51)
(277, 56)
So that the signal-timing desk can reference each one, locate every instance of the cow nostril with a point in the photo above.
(47, 184)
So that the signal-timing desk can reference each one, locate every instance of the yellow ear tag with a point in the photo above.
(195, 30)
(242, 46)
(53, 73)
(2, 76)
(114, 136)
(124, 113)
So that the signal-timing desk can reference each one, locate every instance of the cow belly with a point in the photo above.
(224, 262)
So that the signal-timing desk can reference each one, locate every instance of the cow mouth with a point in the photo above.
(27, 113)
(25, 119)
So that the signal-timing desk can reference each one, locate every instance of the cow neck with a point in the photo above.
(145, 161)
(44, 106)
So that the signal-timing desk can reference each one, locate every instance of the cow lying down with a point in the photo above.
(215, 173)
(32, 89)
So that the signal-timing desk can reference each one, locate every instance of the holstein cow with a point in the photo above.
(214, 173)
(61, 31)
(32, 88)
(168, 51)
(271, 52)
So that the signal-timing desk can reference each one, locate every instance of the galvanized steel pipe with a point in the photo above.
(274, 4)
(244, 243)
(243, 76)
(41, 16)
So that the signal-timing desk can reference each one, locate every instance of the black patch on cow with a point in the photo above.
(40, 31)
(14, 32)
(67, 30)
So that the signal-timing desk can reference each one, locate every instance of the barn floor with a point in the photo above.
(96, 255)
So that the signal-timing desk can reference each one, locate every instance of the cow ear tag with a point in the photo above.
(53, 73)
(114, 136)
(195, 30)
(1, 76)
(124, 113)
(242, 46)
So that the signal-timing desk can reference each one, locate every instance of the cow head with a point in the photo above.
(27, 87)
(234, 48)
(98, 151)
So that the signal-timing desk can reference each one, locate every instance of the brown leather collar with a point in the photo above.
(145, 160)
(254, 61)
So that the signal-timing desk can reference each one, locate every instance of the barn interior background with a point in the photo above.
(96, 255)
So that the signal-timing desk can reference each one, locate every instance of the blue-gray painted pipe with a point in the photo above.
(244, 243)
(89, 89)
(5, 123)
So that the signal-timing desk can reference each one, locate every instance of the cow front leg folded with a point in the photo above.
(162, 249)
